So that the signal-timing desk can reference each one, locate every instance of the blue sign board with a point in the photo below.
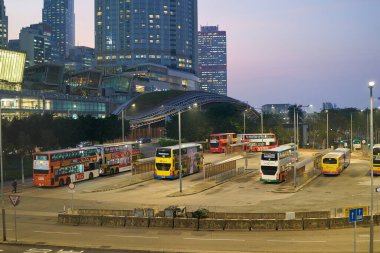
(356, 215)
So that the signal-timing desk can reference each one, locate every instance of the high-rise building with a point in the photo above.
(135, 32)
(3, 26)
(35, 40)
(59, 15)
(80, 58)
(212, 60)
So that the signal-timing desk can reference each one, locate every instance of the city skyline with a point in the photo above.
(298, 52)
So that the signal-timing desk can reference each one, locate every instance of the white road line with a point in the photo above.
(291, 241)
(135, 236)
(62, 233)
(215, 239)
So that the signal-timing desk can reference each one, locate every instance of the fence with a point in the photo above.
(238, 147)
(143, 167)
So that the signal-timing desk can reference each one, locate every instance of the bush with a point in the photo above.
(201, 213)
(167, 142)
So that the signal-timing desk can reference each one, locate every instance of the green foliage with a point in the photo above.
(201, 213)
(167, 142)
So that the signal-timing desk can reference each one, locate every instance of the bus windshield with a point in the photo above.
(376, 151)
(329, 161)
(269, 156)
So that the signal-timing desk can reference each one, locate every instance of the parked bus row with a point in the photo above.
(254, 142)
(60, 167)
(334, 162)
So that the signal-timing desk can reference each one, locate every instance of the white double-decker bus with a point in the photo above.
(275, 162)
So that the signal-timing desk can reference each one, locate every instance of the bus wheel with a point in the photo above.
(91, 176)
(111, 171)
(60, 182)
(117, 170)
(68, 181)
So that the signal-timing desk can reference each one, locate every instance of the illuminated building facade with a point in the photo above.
(35, 40)
(212, 60)
(80, 58)
(59, 15)
(3, 26)
(42, 91)
(163, 32)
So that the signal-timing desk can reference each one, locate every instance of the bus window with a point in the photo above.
(329, 161)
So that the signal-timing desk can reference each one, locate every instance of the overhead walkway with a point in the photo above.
(186, 102)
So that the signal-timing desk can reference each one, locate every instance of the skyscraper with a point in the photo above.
(59, 15)
(147, 31)
(3, 26)
(212, 61)
(35, 40)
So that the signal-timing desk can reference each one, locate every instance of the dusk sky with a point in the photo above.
(304, 52)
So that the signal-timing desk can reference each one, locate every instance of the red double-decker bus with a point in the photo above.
(219, 142)
(60, 167)
(259, 142)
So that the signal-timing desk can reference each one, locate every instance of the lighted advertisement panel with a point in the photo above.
(12, 65)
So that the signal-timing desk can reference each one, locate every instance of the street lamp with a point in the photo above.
(371, 85)
(180, 151)
(2, 180)
(327, 129)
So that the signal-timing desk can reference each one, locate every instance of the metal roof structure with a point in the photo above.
(186, 102)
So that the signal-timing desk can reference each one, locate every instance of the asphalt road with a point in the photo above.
(37, 213)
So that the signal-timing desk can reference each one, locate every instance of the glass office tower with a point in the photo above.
(59, 15)
(212, 62)
(134, 32)
(3, 26)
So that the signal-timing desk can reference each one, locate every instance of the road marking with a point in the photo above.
(296, 241)
(134, 236)
(211, 239)
(62, 233)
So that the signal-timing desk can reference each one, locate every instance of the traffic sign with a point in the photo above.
(15, 199)
(71, 186)
(356, 215)
(377, 189)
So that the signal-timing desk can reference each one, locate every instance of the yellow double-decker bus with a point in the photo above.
(167, 160)
(333, 163)
(376, 159)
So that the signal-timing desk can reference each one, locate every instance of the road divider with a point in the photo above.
(211, 224)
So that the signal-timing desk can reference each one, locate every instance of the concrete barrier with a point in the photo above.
(270, 216)
(186, 223)
(237, 224)
(140, 222)
(95, 220)
(72, 219)
(296, 224)
(264, 224)
(103, 212)
(316, 223)
(340, 223)
(161, 222)
(211, 224)
(113, 221)
(314, 214)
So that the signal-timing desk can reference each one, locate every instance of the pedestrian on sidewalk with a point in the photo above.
(14, 185)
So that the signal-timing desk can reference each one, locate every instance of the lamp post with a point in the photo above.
(244, 120)
(2, 180)
(351, 134)
(122, 124)
(327, 129)
(179, 151)
(370, 85)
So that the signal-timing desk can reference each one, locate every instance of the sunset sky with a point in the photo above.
(304, 52)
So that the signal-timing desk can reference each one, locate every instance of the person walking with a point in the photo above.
(14, 185)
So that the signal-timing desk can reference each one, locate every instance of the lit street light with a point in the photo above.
(370, 85)
(2, 180)
(327, 129)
